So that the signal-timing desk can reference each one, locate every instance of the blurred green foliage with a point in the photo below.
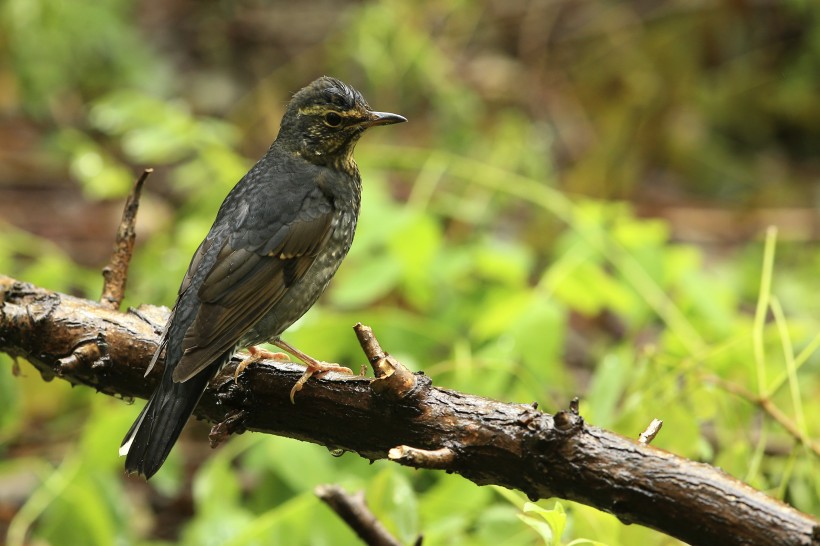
(485, 254)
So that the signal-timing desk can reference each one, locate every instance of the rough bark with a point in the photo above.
(403, 417)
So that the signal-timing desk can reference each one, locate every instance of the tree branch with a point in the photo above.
(353, 510)
(485, 441)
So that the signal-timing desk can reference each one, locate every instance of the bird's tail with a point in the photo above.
(157, 428)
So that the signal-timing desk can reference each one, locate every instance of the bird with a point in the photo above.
(277, 240)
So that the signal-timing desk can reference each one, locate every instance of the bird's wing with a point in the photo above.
(248, 279)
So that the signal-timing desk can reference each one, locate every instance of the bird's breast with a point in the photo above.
(301, 295)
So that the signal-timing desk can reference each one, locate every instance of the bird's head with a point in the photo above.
(324, 120)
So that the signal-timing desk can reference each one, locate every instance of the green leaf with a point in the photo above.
(549, 523)
(608, 383)
(391, 497)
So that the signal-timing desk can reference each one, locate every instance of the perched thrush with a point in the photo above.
(278, 238)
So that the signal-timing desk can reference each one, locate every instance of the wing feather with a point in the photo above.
(245, 284)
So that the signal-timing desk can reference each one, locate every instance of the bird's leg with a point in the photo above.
(314, 367)
(257, 354)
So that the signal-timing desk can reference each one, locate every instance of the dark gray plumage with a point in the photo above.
(278, 239)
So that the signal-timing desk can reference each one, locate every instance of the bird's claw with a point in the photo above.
(318, 369)
(257, 354)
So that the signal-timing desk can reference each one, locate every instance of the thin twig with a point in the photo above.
(354, 512)
(652, 430)
(439, 459)
(115, 274)
(393, 380)
(770, 408)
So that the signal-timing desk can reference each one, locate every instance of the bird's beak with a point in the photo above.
(383, 118)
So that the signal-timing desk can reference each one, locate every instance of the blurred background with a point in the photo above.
(580, 205)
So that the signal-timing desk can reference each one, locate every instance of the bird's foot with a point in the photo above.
(314, 367)
(257, 354)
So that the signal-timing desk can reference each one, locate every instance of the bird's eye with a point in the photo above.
(332, 119)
